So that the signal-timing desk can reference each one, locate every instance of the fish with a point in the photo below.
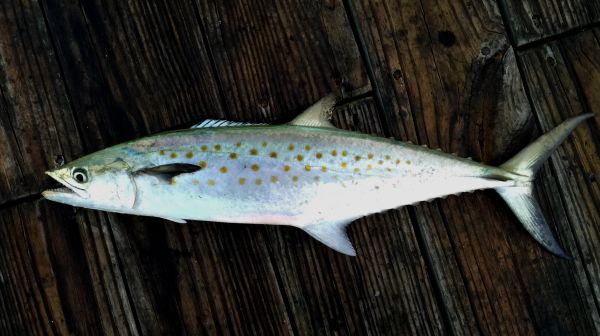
(305, 173)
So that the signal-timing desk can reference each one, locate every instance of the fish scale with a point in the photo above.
(306, 174)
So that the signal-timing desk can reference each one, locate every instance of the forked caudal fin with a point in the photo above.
(520, 198)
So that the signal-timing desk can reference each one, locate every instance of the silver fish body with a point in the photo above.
(316, 178)
(292, 175)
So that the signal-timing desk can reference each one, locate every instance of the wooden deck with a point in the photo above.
(479, 78)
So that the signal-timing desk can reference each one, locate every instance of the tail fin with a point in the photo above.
(520, 198)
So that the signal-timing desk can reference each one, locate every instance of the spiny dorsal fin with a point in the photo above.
(208, 123)
(318, 114)
(333, 235)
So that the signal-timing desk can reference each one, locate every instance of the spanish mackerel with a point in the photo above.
(305, 173)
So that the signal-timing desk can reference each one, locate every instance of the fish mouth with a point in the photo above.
(65, 196)
(69, 191)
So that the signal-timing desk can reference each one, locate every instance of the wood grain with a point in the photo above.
(448, 78)
(531, 20)
(273, 58)
(79, 76)
(36, 124)
(563, 78)
(132, 68)
(81, 271)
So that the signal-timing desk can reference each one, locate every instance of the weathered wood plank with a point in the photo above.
(105, 273)
(448, 79)
(531, 20)
(131, 68)
(36, 124)
(274, 57)
(563, 78)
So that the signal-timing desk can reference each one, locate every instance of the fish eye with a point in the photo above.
(80, 175)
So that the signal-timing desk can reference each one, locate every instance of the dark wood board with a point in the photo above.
(131, 68)
(82, 272)
(532, 20)
(77, 76)
(563, 79)
(447, 78)
(36, 123)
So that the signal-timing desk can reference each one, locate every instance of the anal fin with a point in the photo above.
(333, 235)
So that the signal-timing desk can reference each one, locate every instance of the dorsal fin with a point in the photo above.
(318, 114)
(208, 123)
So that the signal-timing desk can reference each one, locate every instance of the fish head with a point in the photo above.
(105, 184)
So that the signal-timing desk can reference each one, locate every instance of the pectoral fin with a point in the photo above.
(168, 171)
(333, 235)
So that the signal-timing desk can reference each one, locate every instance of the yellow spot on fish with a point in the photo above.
(173, 155)
(242, 181)
(286, 168)
(389, 169)
(369, 167)
(204, 148)
(408, 162)
(291, 147)
(202, 164)
(258, 181)
(189, 155)
(397, 161)
(233, 156)
(300, 157)
(324, 169)
(357, 158)
(255, 167)
(217, 147)
(195, 182)
(344, 165)
(334, 153)
(295, 178)
(273, 155)
(264, 144)
(238, 144)
(319, 155)
(172, 181)
(274, 179)
(253, 151)
(307, 168)
(387, 157)
(344, 153)
(307, 147)
(380, 162)
(370, 156)
(223, 169)
(161, 152)
(211, 182)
